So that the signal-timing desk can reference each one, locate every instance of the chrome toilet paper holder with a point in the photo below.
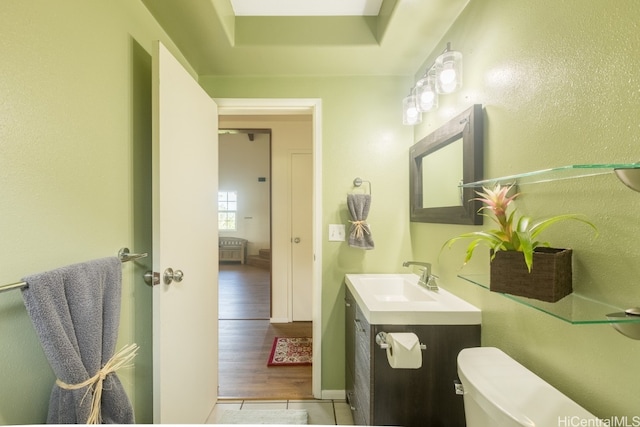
(381, 340)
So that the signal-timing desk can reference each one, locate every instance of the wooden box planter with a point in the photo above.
(550, 278)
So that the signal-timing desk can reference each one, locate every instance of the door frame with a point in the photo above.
(293, 106)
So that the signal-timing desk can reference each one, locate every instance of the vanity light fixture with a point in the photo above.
(410, 113)
(425, 92)
(444, 76)
(448, 70)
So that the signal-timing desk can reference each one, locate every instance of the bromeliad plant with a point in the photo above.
(511, 235)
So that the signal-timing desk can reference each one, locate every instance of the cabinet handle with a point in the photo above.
(347, 303)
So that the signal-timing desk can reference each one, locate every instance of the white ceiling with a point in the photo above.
(306, 7)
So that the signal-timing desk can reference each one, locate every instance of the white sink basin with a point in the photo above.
(394, 289)
(397, 299)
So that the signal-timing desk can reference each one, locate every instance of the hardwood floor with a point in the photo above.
(246, 337)
(244, 292)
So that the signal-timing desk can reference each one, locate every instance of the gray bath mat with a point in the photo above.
(264, 416)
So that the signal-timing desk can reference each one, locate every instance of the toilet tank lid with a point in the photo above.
(504, 385)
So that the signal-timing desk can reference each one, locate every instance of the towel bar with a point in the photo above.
(123, 256)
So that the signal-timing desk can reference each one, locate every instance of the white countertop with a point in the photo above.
(397, 299)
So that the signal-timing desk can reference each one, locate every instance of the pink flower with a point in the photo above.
(497, 202)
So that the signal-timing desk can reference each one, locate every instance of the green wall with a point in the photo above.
(560, 85)
(75, 138)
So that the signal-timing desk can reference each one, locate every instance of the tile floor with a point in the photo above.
(321, 412)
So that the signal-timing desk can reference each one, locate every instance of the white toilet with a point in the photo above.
(500, 392)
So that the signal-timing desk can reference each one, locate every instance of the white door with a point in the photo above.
(301, 236)
(185, 238)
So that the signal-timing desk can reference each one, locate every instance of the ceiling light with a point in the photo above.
(306, 7)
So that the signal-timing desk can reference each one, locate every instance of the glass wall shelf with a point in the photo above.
(574, 308)
(628, 173)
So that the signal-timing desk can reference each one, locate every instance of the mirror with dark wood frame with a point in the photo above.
(440, 162)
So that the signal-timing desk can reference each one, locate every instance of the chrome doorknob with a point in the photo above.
(170, 276)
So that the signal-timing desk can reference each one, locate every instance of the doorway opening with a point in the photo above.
(244, 281)
(244, 223)
(295, 123)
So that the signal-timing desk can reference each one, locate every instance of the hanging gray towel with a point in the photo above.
(360, 232)
(76, 312)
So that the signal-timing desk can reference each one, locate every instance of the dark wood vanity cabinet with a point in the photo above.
(358, 366)
(381, 395)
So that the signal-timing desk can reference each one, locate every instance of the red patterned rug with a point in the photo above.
(290, 351)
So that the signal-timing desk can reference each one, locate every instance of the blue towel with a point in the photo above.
(76, 312)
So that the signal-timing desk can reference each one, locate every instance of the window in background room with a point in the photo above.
(227, 209)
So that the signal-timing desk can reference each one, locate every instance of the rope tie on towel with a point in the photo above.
(117, 361)
(359, 227)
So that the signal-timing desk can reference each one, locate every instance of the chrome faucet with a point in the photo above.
(427, 279)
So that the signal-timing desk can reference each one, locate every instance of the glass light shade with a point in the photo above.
(425, 93)
(449, 72)
(410, 113)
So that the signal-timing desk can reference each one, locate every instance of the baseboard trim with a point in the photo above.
(279, 320)
(333, 395)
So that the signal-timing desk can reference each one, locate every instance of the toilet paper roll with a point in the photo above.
(404, 350)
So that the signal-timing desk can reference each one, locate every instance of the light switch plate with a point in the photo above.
(336, 232)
